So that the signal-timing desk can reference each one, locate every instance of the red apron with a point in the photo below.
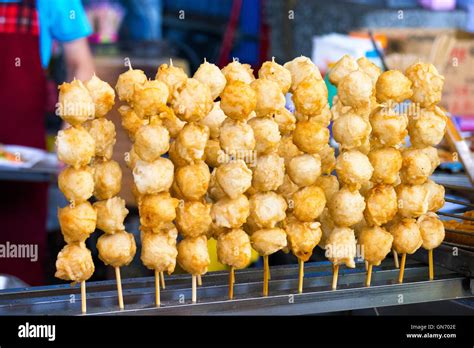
(23, 205)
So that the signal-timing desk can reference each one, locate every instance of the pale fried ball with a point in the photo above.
(130, 121)
(238, 100)
(210, 75)
(287, 149)
(427, 128)
(393, 86)
(287, 188)
(193, 219)
(268, 173)
(111, 214)
(369, 68)
(215, 191)
(118, 249)
(77, 185)
(191, 142)
(126, 82)
(376, 243)
(230, 213)
(413, 200)
(102, 94)
(277, 73)
(193, 180)
(286, 121)
(267, 209)
(346, 207)
(300, 68)
(341, 246)
(432, 153)
(107, 179)
(351, 131)
(103, 133)
(237, 139)
(311, 96)
(268, 241)
(153, 177)
(76, 105)
(75, 146)
(343, 67)
(387, 162)
(416, 167)
(355, 89)
(156, 209)
(381, 205)
(159, 250)
(388, 127)
(406, 236)
(329, 184)
(435, 195)
(302, 237)
(310, 136)
(214, 155)
(269, 97)
(328, 159)
(193, 102)
(151, 141)
(233, 249)
(172, 76)
(77, 221)
(427, 83)
(266, 133)
(74, 263)
(234, 178)
(193, 255)
(236, 71)
(214, 120)
(353, 168)
(304, 169)
(327, 225)
(431, 229)
(308, 203)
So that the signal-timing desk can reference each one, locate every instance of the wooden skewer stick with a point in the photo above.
(83, 297)
(119, 287)
(430, 262)
(369, 275)
(335, 275)
(194, 296)
(199, 280)
(300, 276)
(231, 283)
(395, 258)
(157, 289)
(402, 268)
(366, 265)
(162, 276)
(265, 275)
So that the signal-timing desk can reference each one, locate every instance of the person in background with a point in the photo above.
(27, 31)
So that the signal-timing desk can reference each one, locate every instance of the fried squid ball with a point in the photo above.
(406, 236)
(76, 105)
(234, 178)
(126, 82)
(427, 84)
(237, 139)
(193, 255)
(173, 77)
(369, 68)
(311, 96)
(174, 156)
(159, 250)
(210, 75)
(233, 249)
(236, 71)
(157, 209)
(346, 207)
(308, 203)
(329, 184)
(238, 100)
(214, 120)
(75, 146)
(277, 73)
(268, 241)
(151, 141)
(153, 177)
(301, 68)
(266, 133)
(269, 97)
(388, 127)
(355, 89)
(310, 137)
(193, 219)
(386, 162)
(214, 154)
(287, 149)
(342, 68)
(376, 243)
(287, 188)
(286, 121)
(193, 180)
(77, 221)
(393, 86)
(416, 167)
(427, 128)
(267, 209)
(230, 213)
(435, 195)
(328, 159)
(413, 200)
(215, 191)
(193, 102)
(431, 229)
(118, 249)
(302, 237)
(107, 179)
(351, 131)
(103, 133)
(110, 214)
(268, 173)
(77, 185)
(191, 142)
(130, 121)
(102, 94)
(74, 263)
(341, 246)
(353, 169)
(381, 205)
(304, 169)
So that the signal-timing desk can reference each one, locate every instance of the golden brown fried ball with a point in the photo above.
(346, 207)
(76, 105)
(77, 185)
(237, 139)
(191, 142)
(118, 249)
(387, 162)
(406, 236)
(269, 97)
(388, 126)
(302, 237)
(286, 121)
(215, 191)
(74, 263)
(435, 195)
(341, 69)
(304, 169)
(131, 158)
(310, 137)
(311, 96)
(353, 169)
(111, 214)
(287, 149)
(413, 200)
(193, 255)
(102, 94)
(238, 100)
(214, 154)
(193, 102)
(233, 249)
(328, 159)
(301, 68)
(267, 209)
(308, 203)
(157, 209)
(431, 229)
(210, 75)
(174, 156)
(230, 213)
(214, 120)
(393, 86)
(277, 73)
(75, 146)
(172, 76)
(355, 89)
(427, 84)
(103, 133)
(153, 177)
(193, 180)
(381, 205)
(107, 179)
(159, 250)
(130, 121)
(341, 246)
(287, 188)
(327, 225)
(77, 221)
(151, 141)
(329, 184)
(268, 241)
(266, 133)
(268, 173)
(236, 71)
(126, 82)
(369, 68)
(427, 128)
(432, 153)
(351, 131)
(376, 243)
(324, 117)
(234, 178)
(193, 219)
(172, 123)
(416, 167)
